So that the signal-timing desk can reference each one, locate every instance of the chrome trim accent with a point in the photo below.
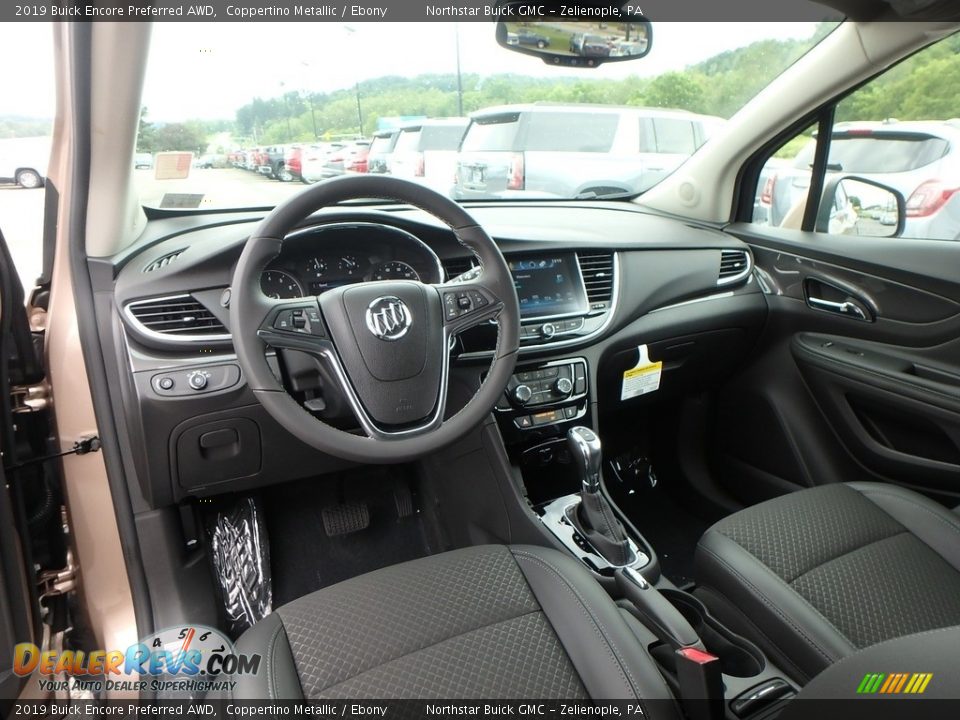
(554, 517)
(388, 318)
(164, 337)
(741, 275)
(326, 226)
(694, 301)
(575, 341)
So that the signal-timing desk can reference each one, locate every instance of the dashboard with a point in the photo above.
(594, 281)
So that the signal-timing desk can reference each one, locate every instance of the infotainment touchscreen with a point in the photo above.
(549, 287)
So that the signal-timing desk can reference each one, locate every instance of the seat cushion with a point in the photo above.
(818, 574)
(482, 622)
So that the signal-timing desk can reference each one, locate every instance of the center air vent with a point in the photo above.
(598, 277)
(178, 317)
(162, 262)
(735, 265)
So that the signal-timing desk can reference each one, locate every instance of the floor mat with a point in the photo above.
(671, 529)
(306, 557)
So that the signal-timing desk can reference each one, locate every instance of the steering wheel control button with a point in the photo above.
(460, 302)
(191, 381)
(303, 320)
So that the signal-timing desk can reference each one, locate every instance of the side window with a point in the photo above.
(898, 134)
(784, 183)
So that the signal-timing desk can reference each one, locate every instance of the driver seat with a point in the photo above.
(490, 622)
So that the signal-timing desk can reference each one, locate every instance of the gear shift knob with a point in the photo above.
(587, 456)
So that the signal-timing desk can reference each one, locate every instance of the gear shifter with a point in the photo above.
(593, 517)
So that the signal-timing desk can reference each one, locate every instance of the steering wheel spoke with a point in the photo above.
(466, 305)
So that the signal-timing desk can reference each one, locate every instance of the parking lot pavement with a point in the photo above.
(21, 221)
(228, 187)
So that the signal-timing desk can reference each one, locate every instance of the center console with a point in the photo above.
(545, 418)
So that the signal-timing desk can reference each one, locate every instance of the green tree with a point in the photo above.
(681, 90)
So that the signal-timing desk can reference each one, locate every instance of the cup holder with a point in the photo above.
(738, 656)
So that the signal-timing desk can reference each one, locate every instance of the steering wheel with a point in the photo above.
(387, 343)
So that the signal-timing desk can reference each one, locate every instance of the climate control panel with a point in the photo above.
(546, 394)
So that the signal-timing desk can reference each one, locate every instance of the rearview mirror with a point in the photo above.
(576, 42)
(857, 206)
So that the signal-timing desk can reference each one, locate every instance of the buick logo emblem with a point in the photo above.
(388, 318)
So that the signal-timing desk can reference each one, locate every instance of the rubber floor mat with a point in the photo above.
(305, 557)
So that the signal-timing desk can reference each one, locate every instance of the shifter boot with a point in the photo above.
(594, 519)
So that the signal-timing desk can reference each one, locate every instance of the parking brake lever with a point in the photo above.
(657, 613)
(699, 676)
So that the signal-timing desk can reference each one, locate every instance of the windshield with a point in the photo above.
(224, 126)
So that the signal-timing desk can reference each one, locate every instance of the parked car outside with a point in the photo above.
(314, 157)
(380, 149)
(292, 163)
(272, 161)
(526, 36)
(427, 152)
(357, 161)
(346, 158)
(570, 150)
(920, 159)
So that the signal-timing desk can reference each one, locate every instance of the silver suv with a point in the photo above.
(567, 151)
(919, 158)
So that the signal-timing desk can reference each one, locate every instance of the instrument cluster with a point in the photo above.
(321, 258)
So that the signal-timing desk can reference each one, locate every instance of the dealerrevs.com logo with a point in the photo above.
(894, 683)
(187, 659)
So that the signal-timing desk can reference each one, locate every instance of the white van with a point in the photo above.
(24, 161)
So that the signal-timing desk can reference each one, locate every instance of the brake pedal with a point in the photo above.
(345, 518)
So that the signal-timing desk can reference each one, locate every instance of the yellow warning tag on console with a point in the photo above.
(643, 378)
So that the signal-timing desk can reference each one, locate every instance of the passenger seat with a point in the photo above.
(816, 575)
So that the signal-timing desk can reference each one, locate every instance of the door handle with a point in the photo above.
(849, 307)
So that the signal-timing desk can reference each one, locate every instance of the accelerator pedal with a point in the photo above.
(345, 518)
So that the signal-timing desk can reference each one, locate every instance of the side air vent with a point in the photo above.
(162, 262)
(177, 318)
(598, 277)
(735, 265)
(455, 267)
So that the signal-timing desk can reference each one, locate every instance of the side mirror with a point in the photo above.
(858, 206)
(586, 42)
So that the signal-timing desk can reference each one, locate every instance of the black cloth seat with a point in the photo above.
(482, 622)
(815, 575)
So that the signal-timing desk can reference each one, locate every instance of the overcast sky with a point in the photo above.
(208, 70)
